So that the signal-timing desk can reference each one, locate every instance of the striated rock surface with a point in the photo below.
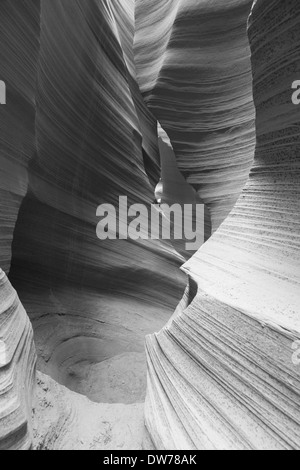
(221, 373)
(91, 302)
(19, 39)
(77, 132)
(17, 370)
(193, 67)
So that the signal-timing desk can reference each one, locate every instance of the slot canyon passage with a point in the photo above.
(105, 98)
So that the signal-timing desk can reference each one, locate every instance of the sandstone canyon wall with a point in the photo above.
(193, 67)
(19, 54)
(89, 300)
(17, 370)
(221, 374)
(75, 133)
(87, 84)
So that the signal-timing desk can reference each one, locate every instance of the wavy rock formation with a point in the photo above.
(87, 83)
(221, 374)
(193, 67)
(91, 302)
(19, 39)
(75, 133)
(17, 370)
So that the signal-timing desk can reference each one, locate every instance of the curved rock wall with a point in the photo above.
(19, 39)
(193, 67)
(75, 133)
(17, 370)
(90, 139)
(221, 374)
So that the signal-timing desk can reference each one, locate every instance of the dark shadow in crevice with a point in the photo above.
(193, 290)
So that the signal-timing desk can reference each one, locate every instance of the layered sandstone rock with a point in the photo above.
(221, 374)
(17, 370)
(193, 67)
(91, 302)
(76, 133)
(19, 39)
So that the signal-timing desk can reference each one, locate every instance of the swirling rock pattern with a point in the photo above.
(19, 39)
(17, 370)
(91, 302)
(76, 133)
(193, 67)
(221, 374)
